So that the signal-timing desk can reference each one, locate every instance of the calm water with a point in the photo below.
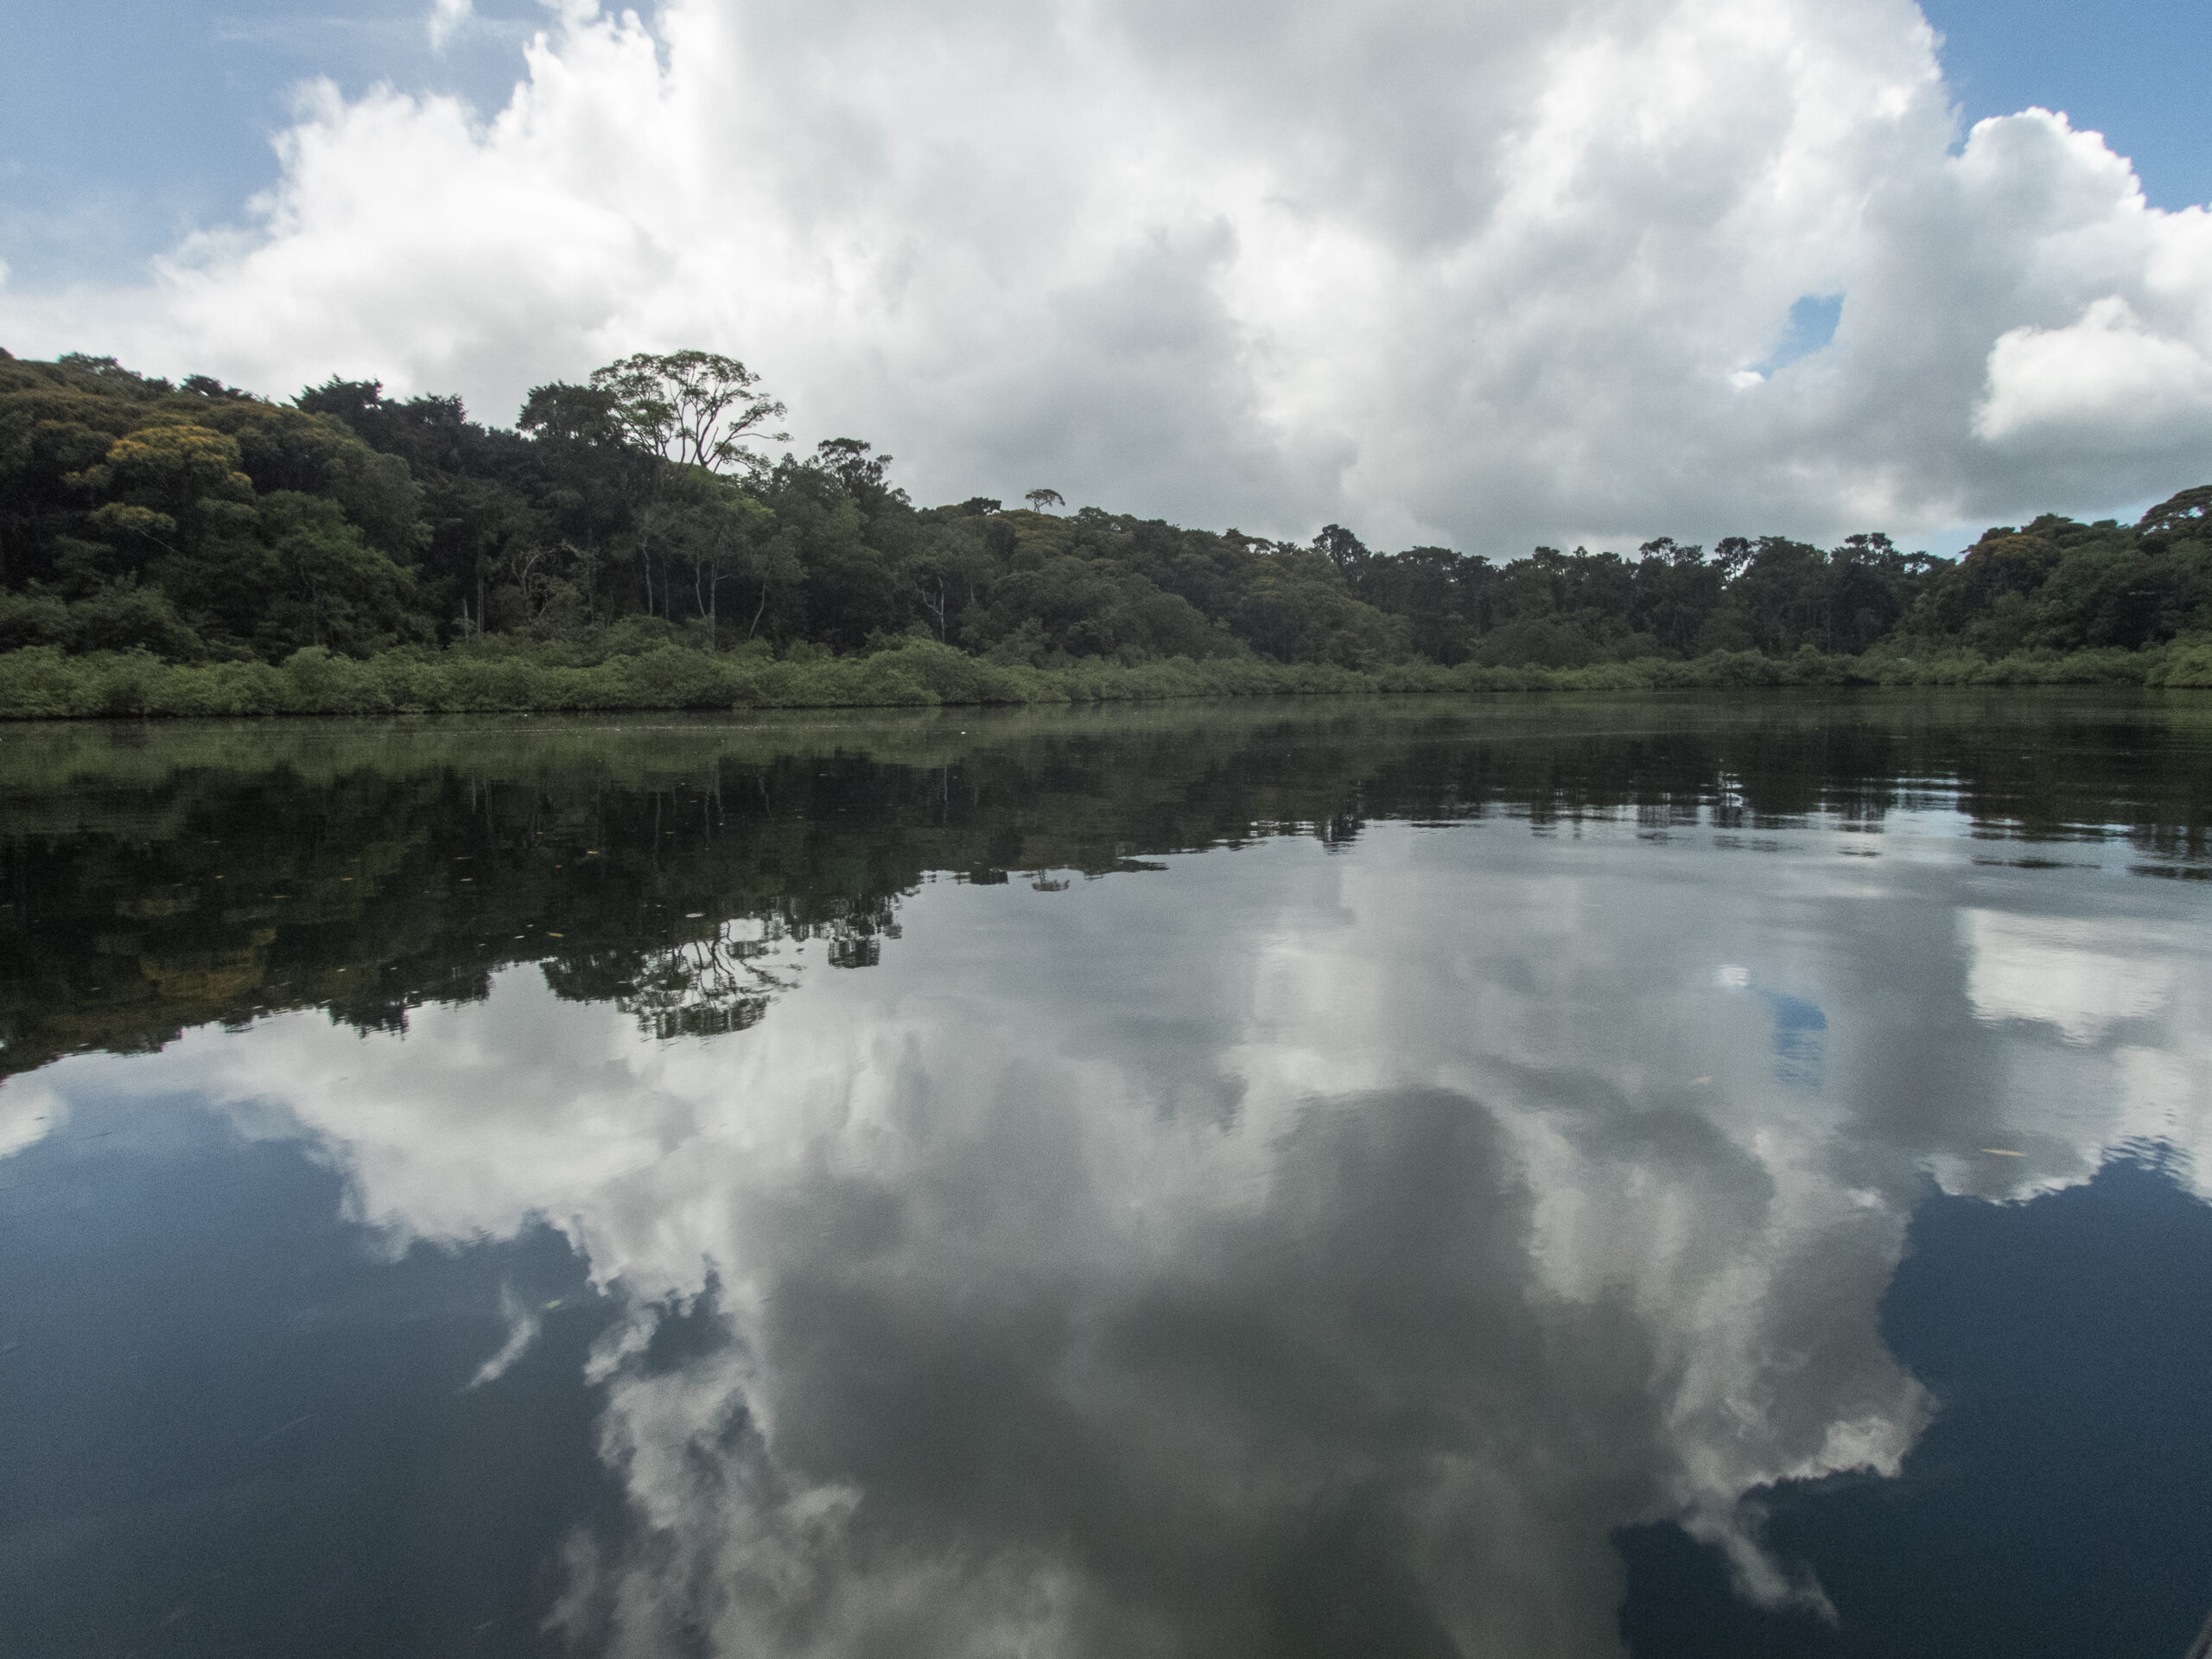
(1425, 1179)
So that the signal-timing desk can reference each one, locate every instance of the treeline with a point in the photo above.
(197, 526)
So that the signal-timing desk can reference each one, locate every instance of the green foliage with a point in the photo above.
(45, 682)
(2061, 586)
(625, 542)
(192, 523)
(693, 408)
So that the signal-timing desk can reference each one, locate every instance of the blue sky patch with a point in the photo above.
(2133, 70)
(1812, 325)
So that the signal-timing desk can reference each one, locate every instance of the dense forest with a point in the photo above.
(636, 515)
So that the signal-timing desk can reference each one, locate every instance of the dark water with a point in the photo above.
(1412, 1179)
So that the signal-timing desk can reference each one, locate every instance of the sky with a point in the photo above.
(1482, 272)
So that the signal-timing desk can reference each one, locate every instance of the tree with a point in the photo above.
(687, 408)
(200, 521)
(864, 474)
(172, 468)
(1343, 549)
(694, 408)
(571, 417)
(712, 525)
(2184, 516)
(169, 490)
(331, 585)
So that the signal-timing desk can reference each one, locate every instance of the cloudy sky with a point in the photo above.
(1487, 272)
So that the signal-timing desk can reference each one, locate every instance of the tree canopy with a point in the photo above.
(200, 522)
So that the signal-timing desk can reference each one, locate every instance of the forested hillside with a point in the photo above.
(202, 524)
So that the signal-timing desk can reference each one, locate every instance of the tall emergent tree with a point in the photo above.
(696, 408)
(686, 412)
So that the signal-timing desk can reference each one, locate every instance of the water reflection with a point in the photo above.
(2069, 1456)
(1326, 1244)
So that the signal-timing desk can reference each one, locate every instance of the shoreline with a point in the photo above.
(42, 684)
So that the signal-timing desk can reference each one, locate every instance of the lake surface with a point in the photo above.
(1415, 1177)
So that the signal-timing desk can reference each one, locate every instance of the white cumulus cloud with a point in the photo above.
(448, 19)
(2107, 380)
(1483, 272)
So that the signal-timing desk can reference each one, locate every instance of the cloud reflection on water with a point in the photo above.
(1182, 1263)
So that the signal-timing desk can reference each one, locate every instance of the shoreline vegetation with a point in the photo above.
(193, 549)
(43, 682)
